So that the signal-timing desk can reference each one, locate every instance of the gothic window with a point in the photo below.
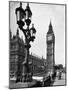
(16, 46)
(12, 67)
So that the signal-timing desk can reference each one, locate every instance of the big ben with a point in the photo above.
(50, 40)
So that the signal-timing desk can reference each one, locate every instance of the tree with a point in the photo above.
(60, 66)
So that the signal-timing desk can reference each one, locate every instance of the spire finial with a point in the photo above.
(50, 23)
(20, 4)
(10, 33)
(27, 3)
(32, 25)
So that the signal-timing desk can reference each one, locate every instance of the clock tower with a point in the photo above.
(50, 40)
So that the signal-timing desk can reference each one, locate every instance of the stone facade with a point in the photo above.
(38, 64)
(17, 55)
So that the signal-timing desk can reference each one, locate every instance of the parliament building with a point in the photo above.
(36, 64)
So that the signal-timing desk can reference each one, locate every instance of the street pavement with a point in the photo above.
(14, 85)
(57, 82)
(60, 82)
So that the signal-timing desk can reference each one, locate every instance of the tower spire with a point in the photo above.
(50, 49)
(50, 25)
(50, 28)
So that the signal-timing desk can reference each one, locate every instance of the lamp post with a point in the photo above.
(24, 17)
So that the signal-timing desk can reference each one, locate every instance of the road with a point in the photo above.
(55, 82)
(60, 82)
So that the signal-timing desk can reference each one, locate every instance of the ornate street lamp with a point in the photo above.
(20, 15)
(24, 17)
(28, 15)
(33, 32)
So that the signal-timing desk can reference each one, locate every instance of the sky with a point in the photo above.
(42, 14)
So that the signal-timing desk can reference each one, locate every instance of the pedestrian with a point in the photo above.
(60, 73)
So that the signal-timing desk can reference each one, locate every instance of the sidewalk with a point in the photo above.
(59, 82)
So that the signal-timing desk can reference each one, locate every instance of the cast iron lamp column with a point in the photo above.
(24, 17)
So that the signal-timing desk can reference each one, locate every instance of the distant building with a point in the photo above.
(38, 64)
(50, 40)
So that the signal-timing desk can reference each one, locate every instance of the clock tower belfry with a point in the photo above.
(50, 40)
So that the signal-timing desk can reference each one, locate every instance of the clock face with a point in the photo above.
(49, 37)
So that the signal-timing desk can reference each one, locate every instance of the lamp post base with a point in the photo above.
(26, 74)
